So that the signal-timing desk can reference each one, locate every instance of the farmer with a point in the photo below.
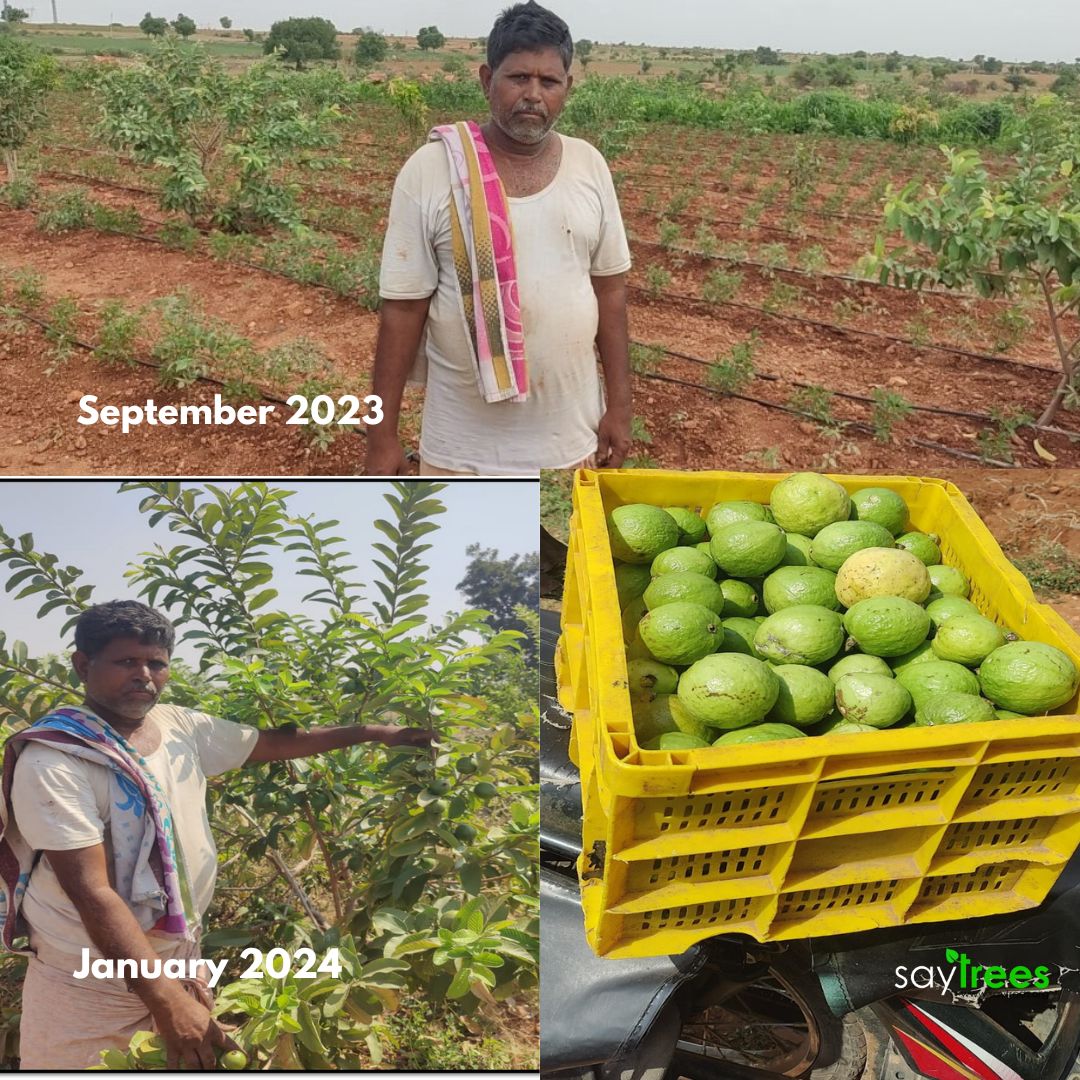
(503, 274)
(105, 844)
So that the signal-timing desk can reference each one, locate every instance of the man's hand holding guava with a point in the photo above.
(192, 1036)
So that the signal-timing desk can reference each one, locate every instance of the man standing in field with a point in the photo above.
(503, 274)
(106, 850)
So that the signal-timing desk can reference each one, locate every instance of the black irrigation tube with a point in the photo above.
(954, 350)
(769, 377)
(857, 425)
(824, 275)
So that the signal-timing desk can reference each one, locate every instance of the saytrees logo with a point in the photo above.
(964, 975)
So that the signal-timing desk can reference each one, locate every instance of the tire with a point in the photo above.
(788, 1007)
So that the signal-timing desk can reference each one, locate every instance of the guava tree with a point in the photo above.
(420, 868)
(26, 76)
(430, 37)
(371, 48)
(1002, 234)
(219, 138)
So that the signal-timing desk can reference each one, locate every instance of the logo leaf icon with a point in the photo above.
(952, 955)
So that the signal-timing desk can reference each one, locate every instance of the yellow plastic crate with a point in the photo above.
(816, 836)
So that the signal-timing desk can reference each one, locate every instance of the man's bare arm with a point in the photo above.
(189, 1031)
(401, 328)
(284, 743)
(613, 341)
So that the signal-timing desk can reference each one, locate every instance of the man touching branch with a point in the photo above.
(106, 850)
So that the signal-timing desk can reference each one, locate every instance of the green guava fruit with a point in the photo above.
(632, 614)
(748, 549)
(739, 637)
(646, 677)
(922, 545)
(847, 727)
(937, 677)
(798, 550)
(803, 634)
(233, 1060)
(887, 625)
(946, 607)
(1028, 677)
(680, 560)
(876, 700)
(652, 717)
(439, 787)
(853, 662)
(968, 639)
(787, 586)
(882, 571)
(681, 633)
(728, 690)
(733, 512)
(770, 732)
(638, 533)
(466, 766)
(806, 696)
(921, 654)
(836, 543)
(631, 581)
(805, 503)
(684, 587)
(740, 599)
(637, 650)
(676, 740)
(465, 832)
(691, 526)
(1004, 714)
(948, 581)
(485, 790)
(881, 506)
(951, 707)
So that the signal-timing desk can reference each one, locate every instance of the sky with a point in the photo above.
(89, 525)
(1034, 30)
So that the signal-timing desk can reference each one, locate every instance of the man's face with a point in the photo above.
(527, 92)
(125, 677)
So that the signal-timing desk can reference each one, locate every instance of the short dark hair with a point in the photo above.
(102, 623)
(528, 28)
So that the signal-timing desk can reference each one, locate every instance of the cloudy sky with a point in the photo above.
(89, 525)
(1035, 30)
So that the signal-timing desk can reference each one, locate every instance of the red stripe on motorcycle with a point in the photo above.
(931, 1062)
(974, 1057)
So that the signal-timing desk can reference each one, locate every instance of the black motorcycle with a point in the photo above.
(877, 1004)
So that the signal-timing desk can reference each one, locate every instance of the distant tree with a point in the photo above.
(153, 25)
(1066, 83)
(249, 34)
(805, 74)
(765, 55)
(992, 65)
(502, 586)
(430, 37)
(371, 48)
(892, 61)
(583, 51)
(14, 15)
(939, 71)
(646, 65)
(839, 74)
(184, 25)
(226, 22)
(1016, 80)
(303, 39)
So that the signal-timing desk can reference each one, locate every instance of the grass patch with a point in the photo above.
(1051, 569)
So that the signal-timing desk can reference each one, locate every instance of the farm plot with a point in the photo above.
(759, 337)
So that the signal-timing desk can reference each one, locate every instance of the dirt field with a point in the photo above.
(757, 342)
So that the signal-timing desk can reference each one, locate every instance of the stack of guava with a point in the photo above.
(821, 613)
